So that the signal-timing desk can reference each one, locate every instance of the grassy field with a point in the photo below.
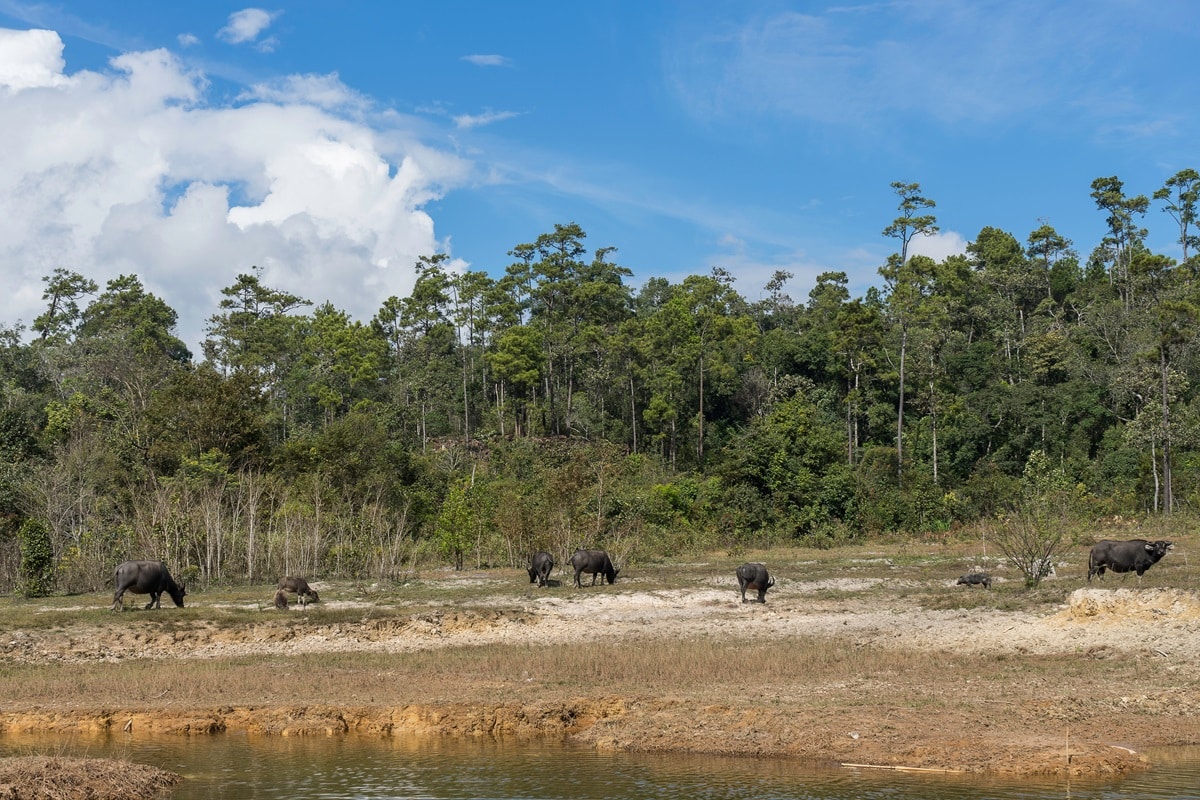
(873, 638)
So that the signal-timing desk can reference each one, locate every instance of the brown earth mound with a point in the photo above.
(55, 778)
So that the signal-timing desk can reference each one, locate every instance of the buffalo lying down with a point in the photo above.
(755, 577)
(304, 593)
(145, 577)
(595, 562)
(1135, 555)
(539, 568)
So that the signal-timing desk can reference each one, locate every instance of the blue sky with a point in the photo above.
(330, 144)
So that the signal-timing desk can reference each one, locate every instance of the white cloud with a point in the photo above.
(465, 121)
(188, 39)
(482, 60)
(30, 59)
(939, 246)
(324, 91)
(132, 170)
(246, 25)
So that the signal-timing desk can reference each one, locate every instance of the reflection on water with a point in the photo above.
(252, 767)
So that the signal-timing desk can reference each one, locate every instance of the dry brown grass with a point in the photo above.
(813, 671)
(58, 778)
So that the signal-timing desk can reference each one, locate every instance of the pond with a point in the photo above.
(263, 768)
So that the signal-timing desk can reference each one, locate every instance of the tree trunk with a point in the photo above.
(633, 413)
(900, 405)
(933, 415)
(1164, 369)
(700, 448)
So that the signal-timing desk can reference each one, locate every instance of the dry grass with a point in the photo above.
(918, 573)
(58, 778)
(812, 671)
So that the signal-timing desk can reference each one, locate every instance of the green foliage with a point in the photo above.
(37, 558)
(480, 419)
(452, 532)
(63, 290)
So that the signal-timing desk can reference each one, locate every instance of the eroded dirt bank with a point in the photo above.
(1081, 689)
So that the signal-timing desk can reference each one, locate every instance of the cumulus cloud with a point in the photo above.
(188, 39)
(245, 26)
(133, 171)
(30, 59)
(486, 60)
(939, 246)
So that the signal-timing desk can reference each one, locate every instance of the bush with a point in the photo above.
(1034, 533)
(37, 559)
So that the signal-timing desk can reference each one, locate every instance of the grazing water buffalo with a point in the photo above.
(304, 593)
(539, 567)
(975, 579)
(596, 562)
(756, 577)
(1135, 555)
(145, 577)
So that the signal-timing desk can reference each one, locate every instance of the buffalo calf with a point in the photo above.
(299, 586)
(975, 579)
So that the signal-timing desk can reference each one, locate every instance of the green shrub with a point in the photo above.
(37, 559)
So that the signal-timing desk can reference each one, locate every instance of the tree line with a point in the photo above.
(554, 406)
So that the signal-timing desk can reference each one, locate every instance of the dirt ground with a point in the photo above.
(1079, 688)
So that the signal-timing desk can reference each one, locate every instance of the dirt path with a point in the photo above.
(1080, 688)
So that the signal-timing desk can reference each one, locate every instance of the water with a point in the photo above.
(249, 767)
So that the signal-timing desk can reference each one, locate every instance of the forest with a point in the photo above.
(1019, 385)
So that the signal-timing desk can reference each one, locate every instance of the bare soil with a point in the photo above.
(907, 672)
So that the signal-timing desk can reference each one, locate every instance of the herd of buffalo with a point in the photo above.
(152, 577)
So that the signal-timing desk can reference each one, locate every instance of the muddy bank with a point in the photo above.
(630, 724)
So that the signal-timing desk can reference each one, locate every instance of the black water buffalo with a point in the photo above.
(539, 567)
(145, 577)
(304, 593)
(596, 562)
(1135, 555)
(975, 579)
(754, 576)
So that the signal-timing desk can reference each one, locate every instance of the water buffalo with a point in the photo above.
(145, 577)
(281, 601)
(1135, 555)
(539, 567)
(754, 576)
(596, 562)
(304, 593)
(975, 579)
